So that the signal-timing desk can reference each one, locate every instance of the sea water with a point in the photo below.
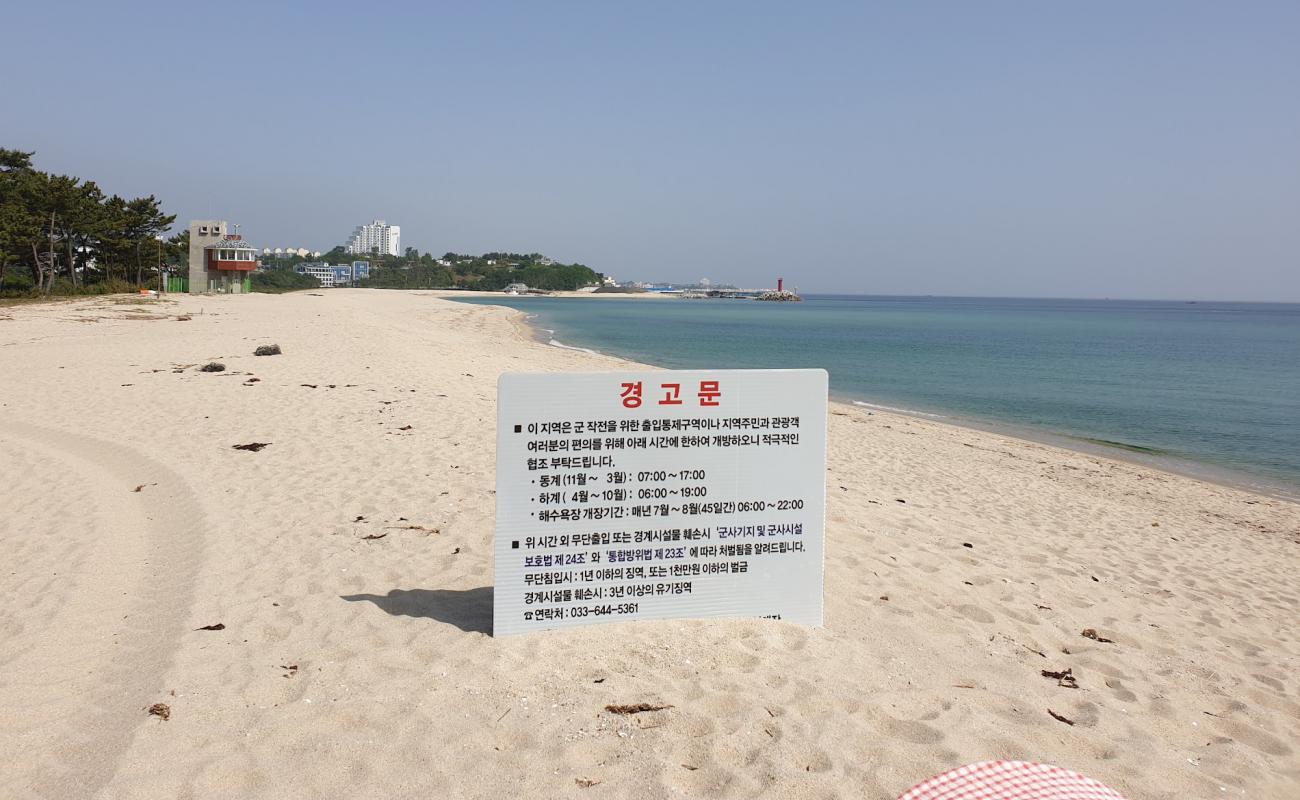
(1185, 384)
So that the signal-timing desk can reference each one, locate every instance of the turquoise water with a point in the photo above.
(1215, 384)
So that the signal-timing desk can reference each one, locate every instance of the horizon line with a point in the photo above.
(1061, 297)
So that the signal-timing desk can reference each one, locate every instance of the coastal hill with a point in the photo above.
(490, 272)
(487, 272)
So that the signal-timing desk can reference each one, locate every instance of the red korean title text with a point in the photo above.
(670, 394)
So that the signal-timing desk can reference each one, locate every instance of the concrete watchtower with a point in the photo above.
(203, 232)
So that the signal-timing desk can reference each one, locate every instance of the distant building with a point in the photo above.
(321, 272)
(517, 288)
(348, 274)
(333, 275)
(378, 235)
(289, 252)
(230, 263)
(219, 261)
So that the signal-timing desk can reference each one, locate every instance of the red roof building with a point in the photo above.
(228, 262)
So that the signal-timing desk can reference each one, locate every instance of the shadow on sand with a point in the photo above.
(467, 609)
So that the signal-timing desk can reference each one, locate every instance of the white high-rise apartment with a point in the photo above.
(378, 235)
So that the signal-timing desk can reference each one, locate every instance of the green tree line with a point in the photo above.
(280, 280)
(489, 272)
(60, 234)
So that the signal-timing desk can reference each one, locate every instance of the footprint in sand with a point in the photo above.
(1263, 698)
(693, 726)
(794, 638)
(974, 613)
(1084, 714)
(909, 730)
(812, 759)
(1253, 737)
(1118, 691)
(1272, 683)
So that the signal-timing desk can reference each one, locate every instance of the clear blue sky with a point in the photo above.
(1099, 149)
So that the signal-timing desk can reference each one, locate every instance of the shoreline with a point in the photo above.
(1117, 451)
(329, 593)
(451, 294)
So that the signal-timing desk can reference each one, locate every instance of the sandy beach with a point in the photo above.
(345, 572)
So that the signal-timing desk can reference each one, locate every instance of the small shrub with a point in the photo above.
(267, 350)
(215, 366)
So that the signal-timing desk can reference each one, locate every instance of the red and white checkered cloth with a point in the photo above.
(1010, 780)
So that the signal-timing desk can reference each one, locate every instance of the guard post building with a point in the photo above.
(219, 261)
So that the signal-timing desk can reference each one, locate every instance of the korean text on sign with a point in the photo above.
(659, 494)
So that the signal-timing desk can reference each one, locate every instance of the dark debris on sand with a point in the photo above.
(635, 708)
(1063, 678)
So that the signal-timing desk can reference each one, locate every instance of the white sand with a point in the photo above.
(400, 691)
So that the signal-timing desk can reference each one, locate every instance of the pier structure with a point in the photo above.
(778, 295)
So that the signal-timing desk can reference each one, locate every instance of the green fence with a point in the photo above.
(177, 283)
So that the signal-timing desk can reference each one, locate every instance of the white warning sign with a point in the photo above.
(664, 494)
